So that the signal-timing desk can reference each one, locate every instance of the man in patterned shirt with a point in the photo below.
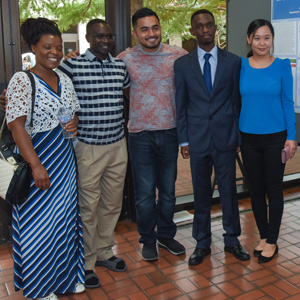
(153, 143)
(99, 80)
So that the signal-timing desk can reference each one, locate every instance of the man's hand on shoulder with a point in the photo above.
(72, 54)
(3, 101)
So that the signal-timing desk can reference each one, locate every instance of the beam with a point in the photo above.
(117, 15)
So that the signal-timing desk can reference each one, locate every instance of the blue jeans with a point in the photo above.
(153, 156)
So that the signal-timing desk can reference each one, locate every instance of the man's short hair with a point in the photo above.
(92, 22)
(142, 13)
(201, 11)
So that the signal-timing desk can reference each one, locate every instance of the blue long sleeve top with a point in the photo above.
(267, 99)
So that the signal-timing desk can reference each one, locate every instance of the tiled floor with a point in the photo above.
(220, 276)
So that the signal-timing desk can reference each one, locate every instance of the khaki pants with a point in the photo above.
(102, 171)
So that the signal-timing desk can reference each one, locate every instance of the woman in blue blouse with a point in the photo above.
(267, 125)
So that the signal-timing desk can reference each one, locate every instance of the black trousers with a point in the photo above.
(225, 170)
(261, 155)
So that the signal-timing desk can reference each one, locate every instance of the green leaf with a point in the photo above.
(67, 12)
(175, 16)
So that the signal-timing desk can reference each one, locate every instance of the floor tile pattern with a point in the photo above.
(220, 276)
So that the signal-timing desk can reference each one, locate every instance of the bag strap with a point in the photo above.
(29, 74)
(2, 127)
(5, 152)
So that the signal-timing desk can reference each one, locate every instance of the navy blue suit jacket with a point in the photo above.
(200, 116)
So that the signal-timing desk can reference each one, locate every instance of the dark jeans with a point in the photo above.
(153, 156)
(262, 160)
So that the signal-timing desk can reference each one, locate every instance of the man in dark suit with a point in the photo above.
(207, 107)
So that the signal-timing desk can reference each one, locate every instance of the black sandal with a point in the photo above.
(91, 280)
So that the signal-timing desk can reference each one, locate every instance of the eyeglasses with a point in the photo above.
(102, 37)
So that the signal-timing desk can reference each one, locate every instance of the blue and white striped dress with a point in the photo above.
(47, 232)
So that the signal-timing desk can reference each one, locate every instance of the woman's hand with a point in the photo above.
(40, 176)
(293, 147)
(72, 126)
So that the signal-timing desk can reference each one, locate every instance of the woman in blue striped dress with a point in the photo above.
(47, 235)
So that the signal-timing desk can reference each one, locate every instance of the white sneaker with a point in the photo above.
(79, 288)
(49, 297)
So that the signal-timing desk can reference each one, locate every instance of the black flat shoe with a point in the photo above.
(264, 259)
(238, 252)
(257, 253)
(198, 256)
(149, 251)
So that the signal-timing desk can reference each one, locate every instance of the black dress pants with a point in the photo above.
(261, 155)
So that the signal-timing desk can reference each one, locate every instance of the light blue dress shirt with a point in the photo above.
(213, 60)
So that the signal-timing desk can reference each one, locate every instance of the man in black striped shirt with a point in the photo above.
(99, 80)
